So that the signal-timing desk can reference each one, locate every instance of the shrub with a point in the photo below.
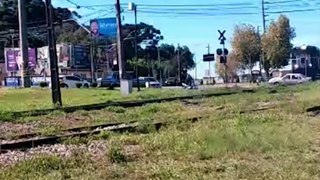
(78, 85)
(94, 84)
(116, 156)
(43, 84)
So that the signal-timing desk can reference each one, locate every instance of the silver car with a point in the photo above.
(290, 79)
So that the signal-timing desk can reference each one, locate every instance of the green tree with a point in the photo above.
(36, 21)
(72, 33)
(276, 43)
(246, 45)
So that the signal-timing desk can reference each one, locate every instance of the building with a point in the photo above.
(306, 60)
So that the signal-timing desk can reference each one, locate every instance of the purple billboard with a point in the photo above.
(13, 57)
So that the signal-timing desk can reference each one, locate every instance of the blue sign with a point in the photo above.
(105, 27)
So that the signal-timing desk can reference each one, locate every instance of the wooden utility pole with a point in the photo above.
(263, 16)
(55, 84)
(23, 36)
(122, 68)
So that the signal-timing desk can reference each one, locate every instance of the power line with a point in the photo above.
(294, 11)
(196, 13)
(193, 5)
(201, 9)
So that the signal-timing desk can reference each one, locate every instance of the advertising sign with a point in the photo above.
(13, 55)
(81, 56)
(105, 27)
(11, 60)
(63, 53)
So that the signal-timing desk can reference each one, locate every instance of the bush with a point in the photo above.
(116, 156)
(78, 85)
(43, 84)
(94, 84)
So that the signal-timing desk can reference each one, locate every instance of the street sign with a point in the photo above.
(208, 57)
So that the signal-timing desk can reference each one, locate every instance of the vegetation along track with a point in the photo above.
(28, 141)
(125, 104)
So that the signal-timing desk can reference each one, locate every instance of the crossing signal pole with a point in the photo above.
(223, 53)
(208, 47)
(55, 84)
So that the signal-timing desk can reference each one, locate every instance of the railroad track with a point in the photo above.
(28, 141)
(124, 104)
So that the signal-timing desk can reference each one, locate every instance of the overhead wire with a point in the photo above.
(217, 9)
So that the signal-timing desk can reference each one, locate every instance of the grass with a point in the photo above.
(31, 99)
(277, 143)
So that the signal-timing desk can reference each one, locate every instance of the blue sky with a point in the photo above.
(197, 31)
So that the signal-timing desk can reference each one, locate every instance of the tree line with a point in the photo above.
(272, 49)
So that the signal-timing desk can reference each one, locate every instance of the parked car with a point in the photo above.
(110, 80)
(172, 81)
(142, 82)
(148, 82)
(290, 79)
(70, 81)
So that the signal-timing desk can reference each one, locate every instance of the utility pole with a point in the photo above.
(179, 64)
(92, 45)
(264, 31)
(159, 61)
(136, 44)
(208, 47)
(55, 84)
(125, 84)
(133, 7)
(263, 16)
(122, 70)
(195, 69)
(23, 34)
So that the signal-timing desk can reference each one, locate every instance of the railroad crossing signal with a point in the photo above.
(223, 59)
(224, 52)
(222, 38)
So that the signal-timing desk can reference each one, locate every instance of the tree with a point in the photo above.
(168, 61)
(72, 33)
(233, 65)
(276, 43)
(246, 45)
(36, 21)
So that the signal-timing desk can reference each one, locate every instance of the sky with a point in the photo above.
(199, 31)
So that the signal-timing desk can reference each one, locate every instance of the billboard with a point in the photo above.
(13, 59)
(104, 27)
(80, 56)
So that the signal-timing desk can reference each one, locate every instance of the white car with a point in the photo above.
(290, 79)
(69, 81)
